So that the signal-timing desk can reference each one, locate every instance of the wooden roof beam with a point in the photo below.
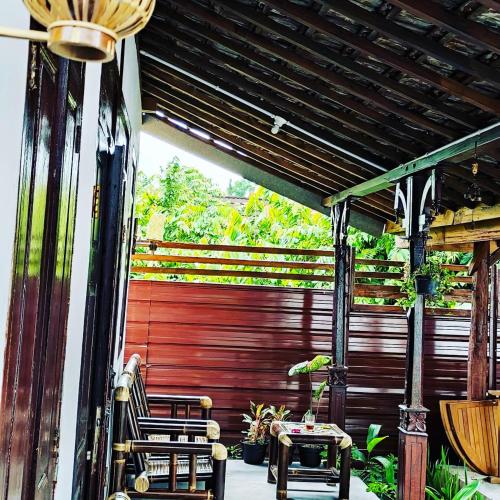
(245, 124)
(316, 86)
(377, 22)
(185, 108)
(254, 125)
(323, 136)
(325, 74)
(473, 32)
(311, 85)
(401, 63)
(454, 152)
(346, 63)
(347, 121)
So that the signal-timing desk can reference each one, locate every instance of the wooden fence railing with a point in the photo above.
(373, 278)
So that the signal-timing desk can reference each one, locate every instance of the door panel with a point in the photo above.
(106, 294)
(29, 409)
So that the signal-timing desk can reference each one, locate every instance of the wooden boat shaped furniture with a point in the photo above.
(472, 428)
(163, 457)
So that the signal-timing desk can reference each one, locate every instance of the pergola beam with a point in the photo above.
(345, 63)
(456, 151)
(289, 110)
(281, 71)
(381, 25)
(396, 61)
(473, 32)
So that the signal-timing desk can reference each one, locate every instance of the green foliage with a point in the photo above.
(181, 204)
(431, 268)
(282, 413)
(258, 420)
(309, 367)
(241, 188)
(443, 484)
(234, 452)
(378, 472)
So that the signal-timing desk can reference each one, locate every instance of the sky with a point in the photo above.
(155, 153)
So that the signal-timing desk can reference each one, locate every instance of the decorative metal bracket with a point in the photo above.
(428, 200)
(340, 222)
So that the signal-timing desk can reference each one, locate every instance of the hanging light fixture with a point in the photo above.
(473, 190)
(84, 30)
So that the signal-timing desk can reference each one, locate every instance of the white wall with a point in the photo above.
(79, 276)
(14, 63)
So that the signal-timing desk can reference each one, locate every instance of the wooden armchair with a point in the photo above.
(163, 457)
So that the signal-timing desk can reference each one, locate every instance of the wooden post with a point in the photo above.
(341, 302)
(412, 450)
(492, 376)
(477, 366)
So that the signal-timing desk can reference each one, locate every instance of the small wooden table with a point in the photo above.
(284, 434)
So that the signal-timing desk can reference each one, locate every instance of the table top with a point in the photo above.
(322, 433)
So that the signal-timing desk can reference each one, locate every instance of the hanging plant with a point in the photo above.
(430, 279)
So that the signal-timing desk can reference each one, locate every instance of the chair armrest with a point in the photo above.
(216, 450)
(158, 425)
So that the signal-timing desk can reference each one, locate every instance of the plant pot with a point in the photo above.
(426, 285)
(254, 453)
(310, 455)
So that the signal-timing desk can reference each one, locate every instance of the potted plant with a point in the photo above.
(429, 279)
(281, 414)
(310, 455)
(256, 441)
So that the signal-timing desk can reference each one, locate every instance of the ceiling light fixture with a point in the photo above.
(278, 123)
(84, 30)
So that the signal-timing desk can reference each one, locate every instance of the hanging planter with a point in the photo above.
(425, 284)
(431, 280)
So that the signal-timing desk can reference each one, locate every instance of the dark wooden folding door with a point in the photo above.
(112, 231)
(34, 359)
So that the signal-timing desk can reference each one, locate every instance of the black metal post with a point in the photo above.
(412, 200)
(338, 370)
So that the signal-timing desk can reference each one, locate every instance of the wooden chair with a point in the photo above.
(154, 456)
(473, 428)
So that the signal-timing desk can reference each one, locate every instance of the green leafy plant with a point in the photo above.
(282, 413)
(443, 484)
(234, 452)
(309, 367)
(432, 269)
(258, 421)
(377, 472)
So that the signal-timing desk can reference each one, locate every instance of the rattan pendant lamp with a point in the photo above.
(84, 30)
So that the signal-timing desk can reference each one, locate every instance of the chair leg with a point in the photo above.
(219, 478)
(273, 459)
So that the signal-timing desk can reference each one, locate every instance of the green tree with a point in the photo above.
(241, 188)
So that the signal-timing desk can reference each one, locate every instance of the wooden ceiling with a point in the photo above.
(364, 85)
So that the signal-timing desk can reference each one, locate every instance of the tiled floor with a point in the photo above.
(249, 482)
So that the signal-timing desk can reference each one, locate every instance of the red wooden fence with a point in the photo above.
(236, 343)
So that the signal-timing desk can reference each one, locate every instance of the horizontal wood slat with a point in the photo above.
(236, 343)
